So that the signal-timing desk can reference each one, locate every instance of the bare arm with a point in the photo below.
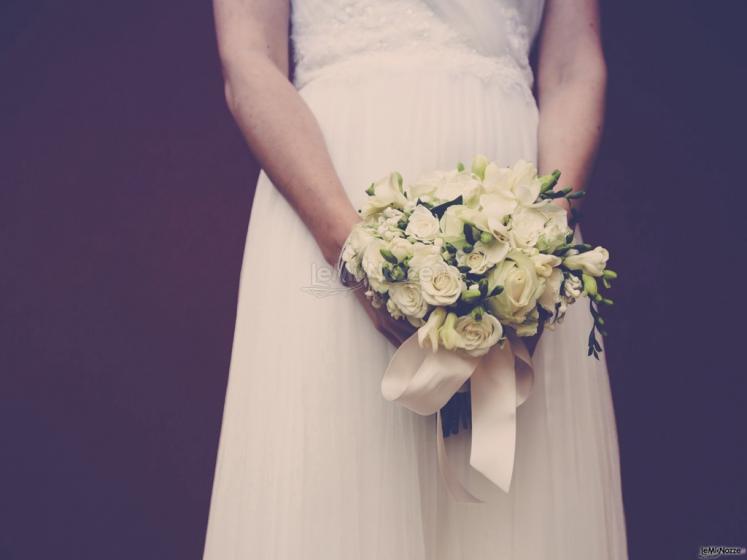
(572, 77)
(278, 126)
(282, 132)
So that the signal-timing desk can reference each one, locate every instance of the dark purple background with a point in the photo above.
(126, 191)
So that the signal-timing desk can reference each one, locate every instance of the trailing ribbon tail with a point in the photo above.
(501, 380)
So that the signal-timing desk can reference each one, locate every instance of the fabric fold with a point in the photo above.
(423, 381)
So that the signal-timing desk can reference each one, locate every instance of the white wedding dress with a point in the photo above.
(313, 463)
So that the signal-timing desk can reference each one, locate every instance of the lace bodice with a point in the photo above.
(490, 38)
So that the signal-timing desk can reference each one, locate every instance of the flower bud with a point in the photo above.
(477, 313)
(479, 164)
(549, 181)
(470, 296)
(590, 285)
(387, 254)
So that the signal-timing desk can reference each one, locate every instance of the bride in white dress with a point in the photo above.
(313, 463)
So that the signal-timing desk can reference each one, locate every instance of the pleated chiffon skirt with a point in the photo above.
(313, 463)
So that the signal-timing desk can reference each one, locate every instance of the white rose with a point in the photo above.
(591, 262)
(401, 248)
(556, 228)
(483, 256)
(526, 227)
(422, 224)
(551, 295)
(386, 192)
(477, 337)
(409, 299)
(441, 283)
(423, 256)
(521, 288)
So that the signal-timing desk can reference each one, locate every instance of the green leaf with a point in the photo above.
(498, 289)
(387, 254)
(469, 234)
(471, 295)
(439, 210)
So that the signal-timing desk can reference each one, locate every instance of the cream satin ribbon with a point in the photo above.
(500, 381)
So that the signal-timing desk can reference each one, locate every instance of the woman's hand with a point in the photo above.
(396, 330)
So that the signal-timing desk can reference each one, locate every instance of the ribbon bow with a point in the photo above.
(500, 381)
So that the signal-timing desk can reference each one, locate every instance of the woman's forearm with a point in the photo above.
(571, 118)
(283, 134)
(572, 77)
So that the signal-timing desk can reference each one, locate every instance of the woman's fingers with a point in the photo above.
(395, 330)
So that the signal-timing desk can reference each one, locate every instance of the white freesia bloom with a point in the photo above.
(498, 204)
(387, 192)
(409, 299)
(423, 225)
(447, 334)
(441, 283)
(551, 294)
(591, 262)
(458, 183)
(573, 287)
(510, 188)
(393, 309)
(453, 220)
(373, 265)
(429, 331)
(544, 264)
(530, 325)
(442, 186)
(352, 251)
(521, 288)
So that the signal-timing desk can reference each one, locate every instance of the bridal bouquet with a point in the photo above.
(465, 255)
(475, 259)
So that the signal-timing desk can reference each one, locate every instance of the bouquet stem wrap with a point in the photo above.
(500, 381)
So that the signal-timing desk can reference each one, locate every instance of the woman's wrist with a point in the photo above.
(337, 233)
